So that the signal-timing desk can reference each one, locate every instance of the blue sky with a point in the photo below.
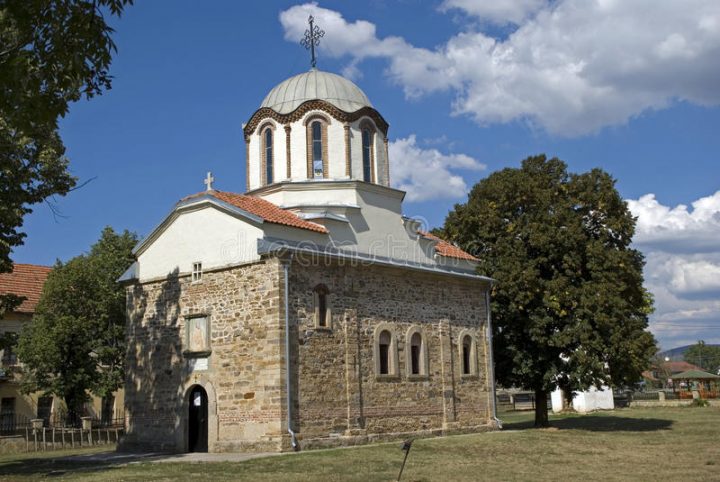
(468, 87)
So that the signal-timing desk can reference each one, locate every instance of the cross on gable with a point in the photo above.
(208, 181)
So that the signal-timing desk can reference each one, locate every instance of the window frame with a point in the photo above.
(393, 372)
(197, 272)
(322, 294)
(423, 355)
(473, 359)
(268, 164)
(323, 122)
(368, 126)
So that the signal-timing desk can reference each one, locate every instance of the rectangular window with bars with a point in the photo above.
(197, 272)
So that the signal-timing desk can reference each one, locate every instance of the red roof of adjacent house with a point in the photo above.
(443, 248)
(266, 210)
(679, 366)
(25, 280)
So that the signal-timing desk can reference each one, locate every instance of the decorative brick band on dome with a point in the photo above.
(310, 105)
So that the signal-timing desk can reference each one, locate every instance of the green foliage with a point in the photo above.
(52, 52)
(569, 308)
(699, 402)
(704, 356)
(76, 341)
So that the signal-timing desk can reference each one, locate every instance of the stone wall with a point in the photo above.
(242, 378)
(338, 393)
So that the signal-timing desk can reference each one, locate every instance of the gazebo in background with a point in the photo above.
(706, 384)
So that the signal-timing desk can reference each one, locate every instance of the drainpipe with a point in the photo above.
(492, 361)
(286, 267)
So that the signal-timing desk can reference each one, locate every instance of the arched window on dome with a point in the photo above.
(317, 149)
(317, 144)
(367, 130)
(268, 155)
(367, 155)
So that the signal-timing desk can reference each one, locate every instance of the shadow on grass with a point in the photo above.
(65, 465)
(599, 423)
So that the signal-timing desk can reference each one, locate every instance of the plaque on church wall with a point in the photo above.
(198, 364)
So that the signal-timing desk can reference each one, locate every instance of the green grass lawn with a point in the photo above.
(630, 444)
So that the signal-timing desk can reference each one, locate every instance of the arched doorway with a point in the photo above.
(198, 420)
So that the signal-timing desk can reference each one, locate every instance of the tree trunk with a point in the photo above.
(541, 415)
(74, 410)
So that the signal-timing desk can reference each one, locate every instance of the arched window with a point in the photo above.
(466, 351)
(415, 347)
(268, 155)
(367, 155)
(322, 309)
(385, 351)
(316, 128)
(416, 359)
(317, 150)
(468, 354)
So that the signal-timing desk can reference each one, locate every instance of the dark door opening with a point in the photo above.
(198, 420)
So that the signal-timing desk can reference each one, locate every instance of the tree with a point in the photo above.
(569, 308)
(705, 356)
(76, 342)
(52, 52)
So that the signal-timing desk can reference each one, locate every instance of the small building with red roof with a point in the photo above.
(26, 281)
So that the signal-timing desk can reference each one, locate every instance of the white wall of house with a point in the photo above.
(586, 401)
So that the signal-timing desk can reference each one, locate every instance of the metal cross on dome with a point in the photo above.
(312, 39)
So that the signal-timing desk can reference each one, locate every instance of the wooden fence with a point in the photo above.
(53, 438)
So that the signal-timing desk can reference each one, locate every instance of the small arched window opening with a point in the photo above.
(268, 155)
(317, 150)
(384, 343)
(466, 355)
(385, 352)
(367, 155)
(415, 353)
(322, 309)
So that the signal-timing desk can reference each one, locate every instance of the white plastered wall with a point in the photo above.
(207, 235)
(298, 151)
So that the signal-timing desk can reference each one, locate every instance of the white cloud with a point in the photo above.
(496, 11)
(678, 229)
(570, 67)
(428, 173)
(682, 250)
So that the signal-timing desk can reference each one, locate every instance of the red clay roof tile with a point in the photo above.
(443, 248)
(25, 280)
(266, 210)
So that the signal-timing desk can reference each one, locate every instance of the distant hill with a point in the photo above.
(677, 354)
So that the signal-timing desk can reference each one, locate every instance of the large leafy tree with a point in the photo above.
(76, 341)
(52, 52)
(569, 308)
(705, 356)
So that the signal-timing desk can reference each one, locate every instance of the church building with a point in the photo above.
(307, 312)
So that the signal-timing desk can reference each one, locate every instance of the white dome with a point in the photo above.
(315, 84)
